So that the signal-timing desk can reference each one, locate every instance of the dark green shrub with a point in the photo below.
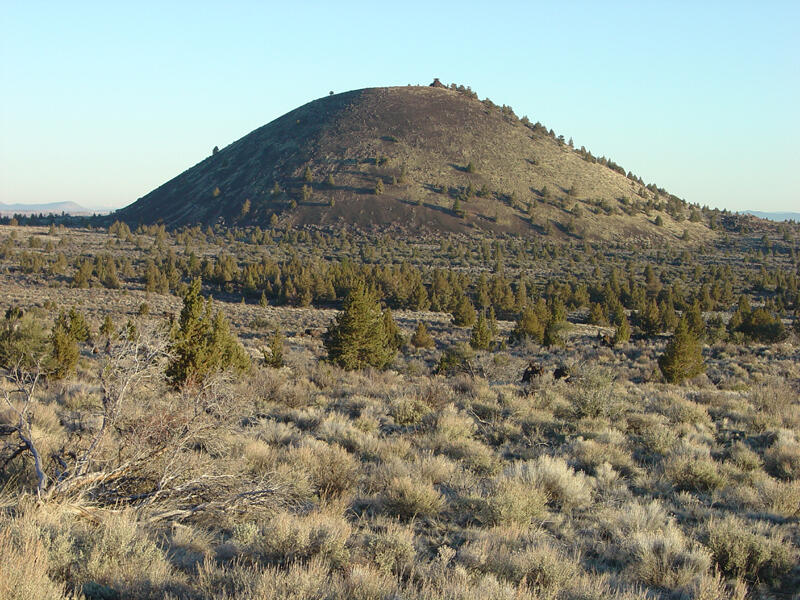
(456, 359)
(78, 328)
(623, 331)
(107, 328)
(761, 326)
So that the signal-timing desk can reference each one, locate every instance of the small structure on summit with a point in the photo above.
(437, 83)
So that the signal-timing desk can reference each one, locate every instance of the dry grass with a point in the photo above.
(312, 482)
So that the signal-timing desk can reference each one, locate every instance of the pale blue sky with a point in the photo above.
(102, 102)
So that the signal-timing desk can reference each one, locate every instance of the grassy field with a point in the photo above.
(308, 481)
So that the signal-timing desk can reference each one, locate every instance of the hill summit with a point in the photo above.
(417, 158)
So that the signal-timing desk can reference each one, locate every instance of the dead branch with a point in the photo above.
(25, 387)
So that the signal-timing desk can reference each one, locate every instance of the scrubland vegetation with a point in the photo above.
(154, 444)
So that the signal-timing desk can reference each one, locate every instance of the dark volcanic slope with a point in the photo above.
(418, 141)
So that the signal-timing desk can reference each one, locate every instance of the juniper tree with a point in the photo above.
(761, 326)
(683, 357)
(77, 326)
(421, 338)
(394, 337)
(463, 312)
(107, 328)
(273, 354)
(358, 338)
(694, 320)
(201, 342)
(529, 326)
(481, 337)
(623, 331)
(23, 341)
(64, 350)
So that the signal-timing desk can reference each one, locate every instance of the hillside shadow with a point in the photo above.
(434, 189)
(440, 209)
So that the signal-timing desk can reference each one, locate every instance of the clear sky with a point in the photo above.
(103, 101)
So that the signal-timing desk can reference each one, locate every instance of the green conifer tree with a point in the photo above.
(201, 342)
(649, 318)
(463, 312)
(23, 341)
(529, 326)
(393, 334)
(357, 338)
(107, 328)
(623, 331)
(481, 337)
(64, 350)
(273, 354)
(597, 314)
(683, 357)
(421, 338)
(694, 320)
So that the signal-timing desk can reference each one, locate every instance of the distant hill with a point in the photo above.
(775, 216)
(55, 208)
(445, 160)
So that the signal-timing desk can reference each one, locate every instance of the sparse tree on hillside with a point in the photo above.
(457, 209)
(107, 328)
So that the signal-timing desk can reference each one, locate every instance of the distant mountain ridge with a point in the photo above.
(775, 216)
(49, 208)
